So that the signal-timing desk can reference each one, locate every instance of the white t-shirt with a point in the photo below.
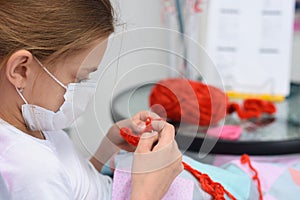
(48, 169)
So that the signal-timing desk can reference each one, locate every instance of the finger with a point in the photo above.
(138, 120)
(137, 126)
(166, 130)
(146, 142)
(121, 123)
(168, 157)
(142, 115)
(158, 125)
(159, 110)
(166, 137)
(163, 145)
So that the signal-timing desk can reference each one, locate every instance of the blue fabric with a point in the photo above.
(285, 187)
(106, 170)
(232, 178)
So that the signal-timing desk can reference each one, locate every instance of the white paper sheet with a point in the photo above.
(250, 43)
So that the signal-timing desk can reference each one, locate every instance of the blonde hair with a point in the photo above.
(50, 29)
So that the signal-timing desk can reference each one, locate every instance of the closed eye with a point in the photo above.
(79, 80)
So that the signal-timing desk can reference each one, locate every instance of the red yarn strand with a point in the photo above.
(215, 189)
(245, 159)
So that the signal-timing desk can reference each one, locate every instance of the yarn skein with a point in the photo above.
(197, 103)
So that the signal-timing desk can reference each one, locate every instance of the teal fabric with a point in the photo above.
(106, 170)
(232, 178)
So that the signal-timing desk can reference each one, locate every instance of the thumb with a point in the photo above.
(146, 142)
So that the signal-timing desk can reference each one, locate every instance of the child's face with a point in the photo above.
(43, 91)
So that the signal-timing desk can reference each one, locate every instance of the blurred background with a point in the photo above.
(159, 25)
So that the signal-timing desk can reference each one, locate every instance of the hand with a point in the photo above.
(157, 162)
(113, 141)
(135, 123)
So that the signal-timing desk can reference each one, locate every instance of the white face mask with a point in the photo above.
(77, 97)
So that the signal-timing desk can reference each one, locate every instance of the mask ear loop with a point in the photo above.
(19, 91)
(21, 95)
(51, 75)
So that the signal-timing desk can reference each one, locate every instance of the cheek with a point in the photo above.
(69, 77)
(57, 99)
(49, 95)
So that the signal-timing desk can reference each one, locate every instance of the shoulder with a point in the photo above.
(30, 167)
(34, 170)
(24, 155)
(23, 152)
(29, 158)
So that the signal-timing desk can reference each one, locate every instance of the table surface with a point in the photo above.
(282, 136)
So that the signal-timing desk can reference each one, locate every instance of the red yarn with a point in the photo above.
(132, 138)
(245, 159)
(197, 103)
(215, 189)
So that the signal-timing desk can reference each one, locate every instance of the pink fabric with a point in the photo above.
(180, 189)
(297, 25)
(287, 160)
(269, 197)
(228, 132)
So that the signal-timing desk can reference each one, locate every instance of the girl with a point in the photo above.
(45, 86)
(42, 44)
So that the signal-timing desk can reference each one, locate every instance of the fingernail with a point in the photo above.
(148, 134)
(141, 127)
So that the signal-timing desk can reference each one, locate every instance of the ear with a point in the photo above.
(18, 68)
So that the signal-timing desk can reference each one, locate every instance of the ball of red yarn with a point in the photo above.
(189, 101)
(201, 104)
